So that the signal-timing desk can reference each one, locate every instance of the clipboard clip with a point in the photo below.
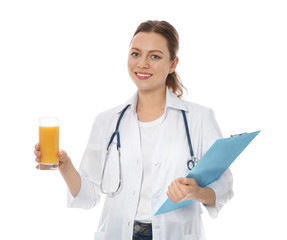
(239, 134)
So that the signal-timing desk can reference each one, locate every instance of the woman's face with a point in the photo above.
(149, 61)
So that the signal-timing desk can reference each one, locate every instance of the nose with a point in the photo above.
(143, 63)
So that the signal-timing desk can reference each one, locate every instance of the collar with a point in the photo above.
(172, 101)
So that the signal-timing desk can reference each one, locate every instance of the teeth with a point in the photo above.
(143, 75)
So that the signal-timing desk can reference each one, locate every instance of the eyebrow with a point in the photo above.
(150, 51)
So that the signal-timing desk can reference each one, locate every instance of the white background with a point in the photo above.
(68, 58)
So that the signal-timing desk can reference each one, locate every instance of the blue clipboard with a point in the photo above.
(212, 165)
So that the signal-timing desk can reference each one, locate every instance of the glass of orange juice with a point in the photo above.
(49, 142)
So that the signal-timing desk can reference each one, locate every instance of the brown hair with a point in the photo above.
(164, 28)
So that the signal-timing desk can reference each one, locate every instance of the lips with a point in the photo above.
(143, 75)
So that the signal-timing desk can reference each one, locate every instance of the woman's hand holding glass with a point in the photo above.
(66, 168)
(63, 157)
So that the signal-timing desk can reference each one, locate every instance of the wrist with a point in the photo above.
(206, 196)
(200, 194)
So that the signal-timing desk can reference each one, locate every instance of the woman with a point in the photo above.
(154, 151)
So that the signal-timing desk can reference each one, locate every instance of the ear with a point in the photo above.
(173, 65)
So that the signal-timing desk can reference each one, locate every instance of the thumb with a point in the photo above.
(186, 181)
(62, 155)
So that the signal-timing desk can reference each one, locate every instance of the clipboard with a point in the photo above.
(212, 165)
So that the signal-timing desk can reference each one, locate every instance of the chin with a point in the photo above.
(150, 88)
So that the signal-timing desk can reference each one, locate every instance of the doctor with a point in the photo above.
(154, 151)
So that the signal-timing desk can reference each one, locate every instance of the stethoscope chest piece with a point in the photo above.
(192, 162)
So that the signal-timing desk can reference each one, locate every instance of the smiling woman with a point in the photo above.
(168, 37)
(149, 61)
(147, 161)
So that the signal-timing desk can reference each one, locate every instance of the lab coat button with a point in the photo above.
(157, 227)
(157, 164)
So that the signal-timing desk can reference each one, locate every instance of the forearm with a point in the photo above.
(71, 177)
(207, 196)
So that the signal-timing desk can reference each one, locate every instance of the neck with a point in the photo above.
(151, 105)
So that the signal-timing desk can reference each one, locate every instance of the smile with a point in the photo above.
(143, 76)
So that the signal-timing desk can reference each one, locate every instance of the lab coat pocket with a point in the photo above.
(99, 236)
(185, 214)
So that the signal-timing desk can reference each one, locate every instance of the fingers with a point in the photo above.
(37, 153)
(37, 147)
(181, 189)
(176, 191)
(186, 181)
(192, 188)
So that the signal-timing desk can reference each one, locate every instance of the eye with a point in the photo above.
(155, 57)
(134, 54)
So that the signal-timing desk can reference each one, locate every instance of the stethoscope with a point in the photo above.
(190, 163)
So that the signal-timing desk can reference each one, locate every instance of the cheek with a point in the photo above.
(130, 66)
(163, 71)
(131, 63)
(163, 68)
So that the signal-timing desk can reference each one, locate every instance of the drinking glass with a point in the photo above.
(49, 142)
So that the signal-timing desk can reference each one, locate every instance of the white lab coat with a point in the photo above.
(169, 162)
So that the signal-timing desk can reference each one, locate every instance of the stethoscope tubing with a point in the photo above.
(191, 162)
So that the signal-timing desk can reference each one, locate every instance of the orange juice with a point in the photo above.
(49, 144)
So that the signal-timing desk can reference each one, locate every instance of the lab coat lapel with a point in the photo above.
(167, 151)
(131, 151)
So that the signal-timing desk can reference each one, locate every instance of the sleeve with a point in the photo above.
(223, 191)
(223, 186)
(90, 170)
(88, 196)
